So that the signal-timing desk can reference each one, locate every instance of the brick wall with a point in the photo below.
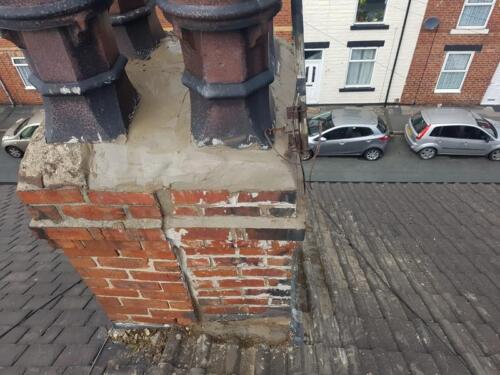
(145, 269)
(11, 79)
(423, 75)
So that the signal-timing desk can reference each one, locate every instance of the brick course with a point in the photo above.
(423, 75)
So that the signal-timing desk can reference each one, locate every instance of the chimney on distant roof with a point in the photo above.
(76, 67)
(136, 26)
(225, 48)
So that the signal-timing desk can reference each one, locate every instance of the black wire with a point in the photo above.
(98, 355)
(32, 312)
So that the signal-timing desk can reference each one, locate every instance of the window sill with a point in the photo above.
(367, 26)
(357, 89)
(447, 91)
(469, 31)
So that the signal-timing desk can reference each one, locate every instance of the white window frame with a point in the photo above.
(17, 64)
(369, 84)
(467, 4)
(459, 90)
(356, 22)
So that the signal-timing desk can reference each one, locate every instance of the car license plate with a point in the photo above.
(408, 132)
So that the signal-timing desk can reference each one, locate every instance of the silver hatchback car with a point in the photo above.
(452, 131)
(348, 132)
(17, 137)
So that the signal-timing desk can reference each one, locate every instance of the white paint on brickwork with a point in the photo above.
(330, 21)
(175, 236)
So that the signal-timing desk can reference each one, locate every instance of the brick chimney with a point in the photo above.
(76, 67)
(164, 231)
(137, 29)
(225, 48)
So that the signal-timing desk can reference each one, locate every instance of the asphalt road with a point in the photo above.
(400, 164)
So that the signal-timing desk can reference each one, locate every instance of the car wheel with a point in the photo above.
(494, 155)
(307, 155)
(427, 153)
(14, 152)
(373, 154)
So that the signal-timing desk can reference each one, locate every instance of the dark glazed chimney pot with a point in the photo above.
(225, 48)
(75, 65)
(136, 26)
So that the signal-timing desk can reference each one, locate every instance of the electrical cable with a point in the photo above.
(98, 355)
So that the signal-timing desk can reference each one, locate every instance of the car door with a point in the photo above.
(359, 138)
(476, 141)
(333, 141)
(25, 137)
(450, 140)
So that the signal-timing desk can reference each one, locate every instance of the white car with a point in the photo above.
(18, 136)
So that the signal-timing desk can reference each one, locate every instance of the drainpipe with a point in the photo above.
(4, 89)
(397, 53)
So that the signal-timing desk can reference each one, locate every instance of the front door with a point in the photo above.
(313, 59)
(492, 95)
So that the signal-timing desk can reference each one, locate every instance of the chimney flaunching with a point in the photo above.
(225, 46)
(137, 29)
(76, 67)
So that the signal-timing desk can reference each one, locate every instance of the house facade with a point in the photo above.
(351, 49)
(457, 63)
(15, 88)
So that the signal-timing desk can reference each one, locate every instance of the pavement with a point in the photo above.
(403, 279)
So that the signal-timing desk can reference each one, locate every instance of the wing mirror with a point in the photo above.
(322, 139)
(487, 139)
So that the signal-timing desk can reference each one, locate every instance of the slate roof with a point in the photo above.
(393, 279)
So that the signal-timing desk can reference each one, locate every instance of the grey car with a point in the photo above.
(452, 131)
(348, 132)
(17, 137)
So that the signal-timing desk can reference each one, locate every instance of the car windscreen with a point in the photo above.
(20, 126)
(486, 126)
(418, 123)
(321, 122)
(381, 126)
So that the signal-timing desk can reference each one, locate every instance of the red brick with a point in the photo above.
(107, 198)
(236, 211)
(129, 310)
(128, 245)
(204, 284)
(181, 305)
(108, 302)
(206, 234)
(251, 251)
(281, 261)
(180, 197)
(225, 310)
(270, 272)
(241, 283)
(113, 292)
(66, 244)
(160, 254)
(185, 211)
(96, 233)
(147, 303)
(156, 276)
(125, 263)
(210, 251)
(156, 245)
(82, 262)
(234, 261)
(140, 285)
(219, 293)
(96, 273)
(198, 262)
(217, 272)
(92, 212)
(166, 266)
(46, 196)
(245, 301)
(169, 290)
(117, 234)
(96, 283)
(145, 212)
(150, 235)
(179, 317)
(45, 213)
(68, 233)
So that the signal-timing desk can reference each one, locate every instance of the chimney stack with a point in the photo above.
(137, 29)
(225, 48)
(75, 66)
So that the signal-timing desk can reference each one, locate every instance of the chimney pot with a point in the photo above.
(226, 56)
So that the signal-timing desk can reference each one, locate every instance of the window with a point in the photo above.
(361, 64)
(24, 71)
(381, 126)
(487, 127)
(371, 10)
(358, 132)
(475, 14)
(28, 132)
(471, 132)
(451, 132)
(336, 134)
(313, 54)
(418, 123)
(455, 67)
(436, 132)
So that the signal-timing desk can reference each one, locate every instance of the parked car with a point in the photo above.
(17, 137)
(348, 132)
(452, 131)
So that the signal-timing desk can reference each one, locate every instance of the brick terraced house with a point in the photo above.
(455, 63)
(16, 89)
